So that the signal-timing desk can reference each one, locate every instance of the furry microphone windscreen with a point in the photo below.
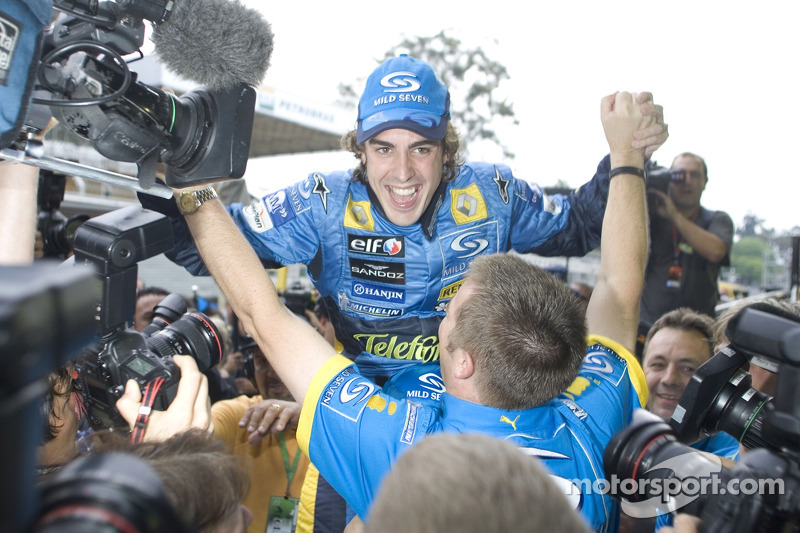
(216, 43)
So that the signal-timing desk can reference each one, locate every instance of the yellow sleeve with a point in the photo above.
(332, 366)
(635, 371)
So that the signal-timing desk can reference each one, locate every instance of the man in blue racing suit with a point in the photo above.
(388, 243)
(513, 339)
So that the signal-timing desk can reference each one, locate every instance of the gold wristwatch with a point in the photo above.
(190, 201)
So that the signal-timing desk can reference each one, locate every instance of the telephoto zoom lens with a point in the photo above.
(193, 334)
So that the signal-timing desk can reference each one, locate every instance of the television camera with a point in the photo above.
(83, 80)
(720, 397)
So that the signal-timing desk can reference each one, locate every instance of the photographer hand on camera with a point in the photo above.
(114, 243)
(689, 243)
(191, 407)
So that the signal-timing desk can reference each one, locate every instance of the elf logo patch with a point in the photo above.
(385, 246)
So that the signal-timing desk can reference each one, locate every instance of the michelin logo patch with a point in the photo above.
(257, 217)
(346, 304)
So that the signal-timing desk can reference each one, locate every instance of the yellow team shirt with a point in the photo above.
(264, 461)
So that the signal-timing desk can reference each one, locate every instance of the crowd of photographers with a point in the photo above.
(177, 420)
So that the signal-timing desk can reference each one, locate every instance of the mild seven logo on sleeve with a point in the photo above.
(279, 208)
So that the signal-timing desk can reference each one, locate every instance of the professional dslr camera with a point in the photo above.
(659, 178)
(114, 243)
(762, 492)
(84, 80)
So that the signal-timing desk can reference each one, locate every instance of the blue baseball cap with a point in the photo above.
(406, 93)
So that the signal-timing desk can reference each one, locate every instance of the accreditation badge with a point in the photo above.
(674, 277)
(282, 516)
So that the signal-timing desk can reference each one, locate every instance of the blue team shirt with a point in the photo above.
(354, 431)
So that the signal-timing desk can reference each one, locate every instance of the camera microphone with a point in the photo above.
(216, 43)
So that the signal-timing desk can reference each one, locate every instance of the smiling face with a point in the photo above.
(670, 360)
(403, 169)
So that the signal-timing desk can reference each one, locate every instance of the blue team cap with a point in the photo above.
(403, 92)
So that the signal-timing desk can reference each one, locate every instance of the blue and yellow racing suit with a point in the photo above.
(386, 286)
(353, 431)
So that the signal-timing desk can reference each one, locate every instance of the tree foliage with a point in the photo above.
(753, 225)
(472, 77)
(747, 257)
(762, 256)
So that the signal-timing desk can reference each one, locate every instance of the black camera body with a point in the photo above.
(659, 178)
(56, 230)
(298, 300)
(719, 397)
(145, 357)
(45, 320)
(114, 243)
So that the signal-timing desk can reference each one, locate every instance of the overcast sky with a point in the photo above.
(726, 74)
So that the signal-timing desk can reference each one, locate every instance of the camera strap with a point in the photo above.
(148, 398)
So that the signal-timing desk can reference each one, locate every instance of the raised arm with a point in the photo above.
(588, 202)
(18, 189)
(613, 310)
(294, 349)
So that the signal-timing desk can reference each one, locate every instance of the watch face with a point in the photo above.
(187, 202)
